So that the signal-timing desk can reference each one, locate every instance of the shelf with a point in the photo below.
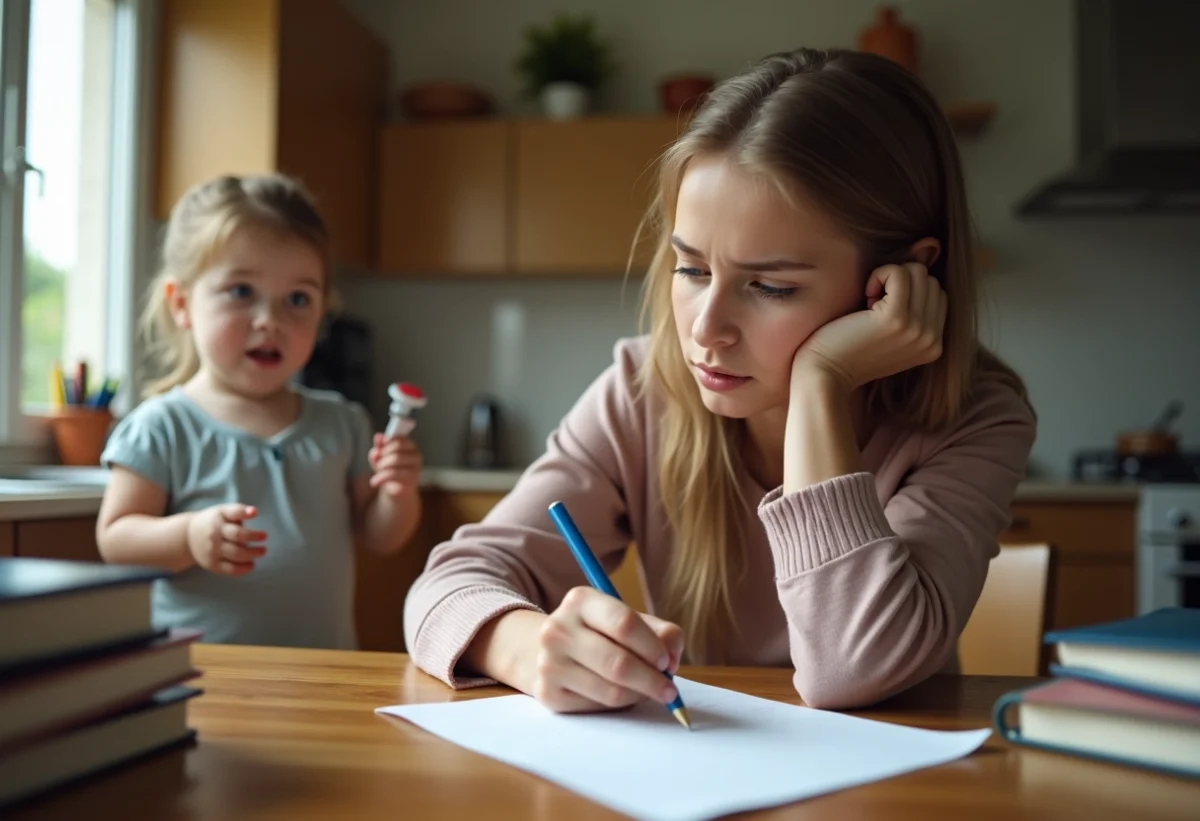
(969, 118)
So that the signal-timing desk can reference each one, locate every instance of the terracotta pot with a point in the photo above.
(683, 92)
(79, 434)
(891, 39)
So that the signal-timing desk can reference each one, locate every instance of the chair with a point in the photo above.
(1003, 636)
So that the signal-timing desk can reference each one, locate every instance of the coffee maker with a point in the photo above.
(482, 446)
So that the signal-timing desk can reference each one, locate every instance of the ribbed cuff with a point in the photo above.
(816, 525)
(453, 623)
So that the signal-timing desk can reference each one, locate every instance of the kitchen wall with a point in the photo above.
(1098, 315)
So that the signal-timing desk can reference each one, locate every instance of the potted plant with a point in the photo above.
(563, 63)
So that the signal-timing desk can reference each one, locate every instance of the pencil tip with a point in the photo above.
(681, 713)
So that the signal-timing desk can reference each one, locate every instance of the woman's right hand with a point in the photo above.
(220, 543)
(595, 653)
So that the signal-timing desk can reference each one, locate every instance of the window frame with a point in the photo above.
(23, 437)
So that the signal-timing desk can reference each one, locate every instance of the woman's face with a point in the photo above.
(756, 275)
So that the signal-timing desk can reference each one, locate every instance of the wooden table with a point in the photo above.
(291, 734)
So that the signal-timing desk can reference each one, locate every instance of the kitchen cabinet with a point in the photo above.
(1093, 546)
(382, 582)
(582, 188)
(517, 197)
(461, 508)
(8, 539)
(73, 539)
(253, 86)
(443, 200)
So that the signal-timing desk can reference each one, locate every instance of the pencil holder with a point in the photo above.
(79, 434)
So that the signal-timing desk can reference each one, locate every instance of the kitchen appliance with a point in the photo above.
(1167, 559)
(341, 359)
(1168, 549)
(1137, 110)
(482, 446)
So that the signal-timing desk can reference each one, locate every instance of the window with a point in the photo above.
(70, 210)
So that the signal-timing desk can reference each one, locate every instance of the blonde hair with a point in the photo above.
(201, 223)
(865, 140)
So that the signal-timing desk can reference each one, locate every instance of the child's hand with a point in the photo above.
(220, 543)
(900, 329)
(397, 464)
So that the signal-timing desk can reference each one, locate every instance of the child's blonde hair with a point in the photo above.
(201, 223)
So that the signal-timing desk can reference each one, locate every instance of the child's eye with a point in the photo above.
(240, 291)
(299, 299)
(771, 291)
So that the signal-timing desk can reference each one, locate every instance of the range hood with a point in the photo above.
(1138, 108)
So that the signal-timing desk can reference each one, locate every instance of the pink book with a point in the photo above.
(1104, 723)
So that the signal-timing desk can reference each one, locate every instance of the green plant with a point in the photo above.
(567, 49)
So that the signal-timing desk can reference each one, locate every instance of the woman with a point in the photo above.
(811, 449)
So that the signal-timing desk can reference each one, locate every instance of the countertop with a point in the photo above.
(62, 493)
(65, 493)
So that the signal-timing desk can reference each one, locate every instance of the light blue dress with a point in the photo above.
(301, 593)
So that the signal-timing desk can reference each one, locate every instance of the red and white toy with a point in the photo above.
(406, 401)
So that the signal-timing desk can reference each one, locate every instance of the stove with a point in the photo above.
(1110, 466)
(1168, 521)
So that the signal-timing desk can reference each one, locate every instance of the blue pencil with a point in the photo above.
(598, 579)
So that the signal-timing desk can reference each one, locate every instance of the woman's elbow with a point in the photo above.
(862, 683)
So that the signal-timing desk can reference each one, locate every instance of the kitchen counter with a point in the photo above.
(1043, 490)
(62, 495)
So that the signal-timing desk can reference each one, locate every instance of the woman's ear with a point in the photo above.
(177, 303)
(926, 251)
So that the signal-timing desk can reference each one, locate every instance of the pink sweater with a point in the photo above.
(861, 583)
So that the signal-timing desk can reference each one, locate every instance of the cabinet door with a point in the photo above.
(332, 87)
(8, 539)
(443, 201)
(463, 508)
(1093, 544)
(217, 92)
(582, 189)
(72, 539)
(382, 582)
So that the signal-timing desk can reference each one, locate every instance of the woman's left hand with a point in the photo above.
(900, 329)
(397, 464)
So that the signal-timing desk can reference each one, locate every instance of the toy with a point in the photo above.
(407, 400)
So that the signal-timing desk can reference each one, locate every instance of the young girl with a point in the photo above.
(811, 449)
(252, 490)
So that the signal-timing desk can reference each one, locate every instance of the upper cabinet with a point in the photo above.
(443, 198)
(582, 189)
(520, 197)
(252, 86)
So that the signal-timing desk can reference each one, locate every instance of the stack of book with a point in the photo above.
(1126, 692)
(86, 682)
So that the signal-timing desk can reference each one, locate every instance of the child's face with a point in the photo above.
(756, 276)
(255, 311)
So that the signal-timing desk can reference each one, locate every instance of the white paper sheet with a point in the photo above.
(743, 752)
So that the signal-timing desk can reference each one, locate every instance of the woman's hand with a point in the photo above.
(595, 653)
(900, 329)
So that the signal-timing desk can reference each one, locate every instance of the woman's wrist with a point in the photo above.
(506, 648)
(819, 441)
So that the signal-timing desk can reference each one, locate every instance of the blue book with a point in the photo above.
(1156, 654)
